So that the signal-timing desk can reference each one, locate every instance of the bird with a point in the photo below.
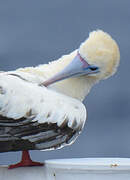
(41, 107)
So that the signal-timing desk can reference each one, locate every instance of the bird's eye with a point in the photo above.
(93, 68)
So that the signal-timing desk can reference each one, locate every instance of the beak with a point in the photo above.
(77, 67)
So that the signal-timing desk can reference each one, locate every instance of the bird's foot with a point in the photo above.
(25, 161)
(25, 164)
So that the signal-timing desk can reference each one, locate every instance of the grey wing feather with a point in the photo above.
(27, 135)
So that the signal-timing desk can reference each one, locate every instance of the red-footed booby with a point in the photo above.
(41, 107)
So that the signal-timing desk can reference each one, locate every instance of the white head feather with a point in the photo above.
(102, 51)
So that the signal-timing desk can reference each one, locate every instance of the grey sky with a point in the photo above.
(33, 32)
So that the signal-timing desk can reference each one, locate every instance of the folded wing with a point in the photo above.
(34, 117)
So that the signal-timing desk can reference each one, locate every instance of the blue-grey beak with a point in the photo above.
(77, 67)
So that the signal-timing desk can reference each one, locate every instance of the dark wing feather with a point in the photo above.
(24, 134)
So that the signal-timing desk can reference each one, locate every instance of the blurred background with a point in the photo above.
(33, 32)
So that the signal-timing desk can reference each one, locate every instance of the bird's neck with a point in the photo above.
(77, 87)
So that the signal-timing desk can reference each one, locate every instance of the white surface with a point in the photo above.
(72, 169)
(88, 169)
(90, 163)
(28, 173)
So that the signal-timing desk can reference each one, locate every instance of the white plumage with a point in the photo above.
(33, 116)
(22, 99)
(18, 97)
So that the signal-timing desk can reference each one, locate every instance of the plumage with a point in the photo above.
(37, 115)
(41, 107)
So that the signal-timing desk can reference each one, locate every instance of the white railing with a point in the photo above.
(72, 169)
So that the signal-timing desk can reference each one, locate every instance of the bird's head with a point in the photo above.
(102, 54)
(97, 57)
